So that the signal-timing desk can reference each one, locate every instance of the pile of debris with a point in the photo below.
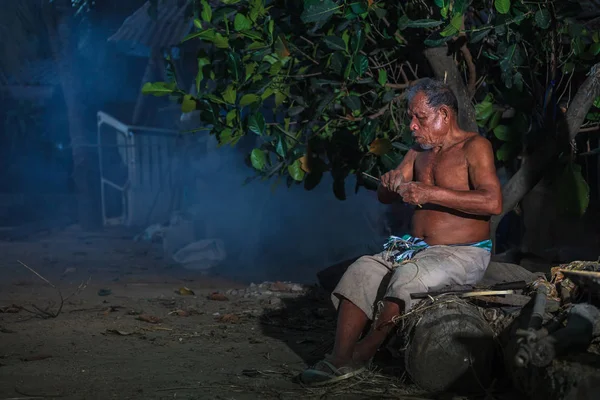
(544, 334)
(271, 289)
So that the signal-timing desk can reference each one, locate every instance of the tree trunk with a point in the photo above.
(444, 68)
(85, 170)
(532, 171)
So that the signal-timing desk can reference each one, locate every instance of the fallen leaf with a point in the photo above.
(181, 313)
(104, 292)
(229, 318)
(10, 309)
(118, 332)
(111, 309)
(36, 358)
(185, 291)
(149, 318)
(218, 297)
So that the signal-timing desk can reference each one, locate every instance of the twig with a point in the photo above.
(44, 313)
(39, 276)
(397, 85)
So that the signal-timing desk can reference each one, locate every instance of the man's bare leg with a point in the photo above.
(367, 347)
(351, 323)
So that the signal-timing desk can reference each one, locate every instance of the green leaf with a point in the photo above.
(495, 120)
(248, 99)
(281, 147)
(292, 112)
(258, 159)
(335, 43)
(362, 64)
(197, 23)
(502, 6)
(202, 61)
(279, 98)
(231, 117)
(478, 36)
(359, 6)
(459, 6)
(483, 110)
(573, 191)
(502, 132)
(457, 21)
(241, 23)
(295, 170)
(358, 41)
(352, 102)
(318, 11)
(158, 88)
(543, 18)
(435, 40)
(382, 78)
(221, 42)
(338, 61)
(505, 152)
(595, 48)
(451, 29)
(188, 104)
(367, 134)
(421, 23)
(597, 102)
(230, 94)
(208, 34)
(206, 11)
(256, 124)
(235, 66)
(403, 22)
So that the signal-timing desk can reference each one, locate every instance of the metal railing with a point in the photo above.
(139, 171)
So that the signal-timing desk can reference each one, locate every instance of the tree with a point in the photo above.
(321, 82)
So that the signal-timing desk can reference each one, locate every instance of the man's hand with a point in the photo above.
(392, 180)
(415, 193)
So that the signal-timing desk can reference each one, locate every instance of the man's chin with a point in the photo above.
(425, 146)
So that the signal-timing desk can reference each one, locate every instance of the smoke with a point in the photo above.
(276, 234)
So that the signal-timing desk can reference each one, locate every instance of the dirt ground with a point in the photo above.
(105, 345)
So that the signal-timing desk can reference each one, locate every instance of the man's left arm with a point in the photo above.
(486, 196)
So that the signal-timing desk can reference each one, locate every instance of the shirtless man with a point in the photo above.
(451, 177)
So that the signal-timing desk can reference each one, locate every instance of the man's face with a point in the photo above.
(428, 125)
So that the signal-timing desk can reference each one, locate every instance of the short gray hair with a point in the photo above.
(436, 92)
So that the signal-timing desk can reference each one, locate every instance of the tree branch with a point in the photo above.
(532, 171)
(472, 81)
(444, 66)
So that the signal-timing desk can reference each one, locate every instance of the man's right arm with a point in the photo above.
(386, 191)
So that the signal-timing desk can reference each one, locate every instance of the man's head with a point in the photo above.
(433, 110)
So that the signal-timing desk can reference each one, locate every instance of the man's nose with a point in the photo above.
(413, 125)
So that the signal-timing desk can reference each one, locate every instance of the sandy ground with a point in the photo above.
(103, 347)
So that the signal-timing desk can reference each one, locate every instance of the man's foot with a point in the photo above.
(325, 373)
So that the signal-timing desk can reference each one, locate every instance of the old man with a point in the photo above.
(450, 176)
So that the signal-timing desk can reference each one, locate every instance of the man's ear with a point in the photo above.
(445, 113)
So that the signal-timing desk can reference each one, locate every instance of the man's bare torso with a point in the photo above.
(448, 169)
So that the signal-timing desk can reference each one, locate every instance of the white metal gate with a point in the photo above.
(140, 183)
